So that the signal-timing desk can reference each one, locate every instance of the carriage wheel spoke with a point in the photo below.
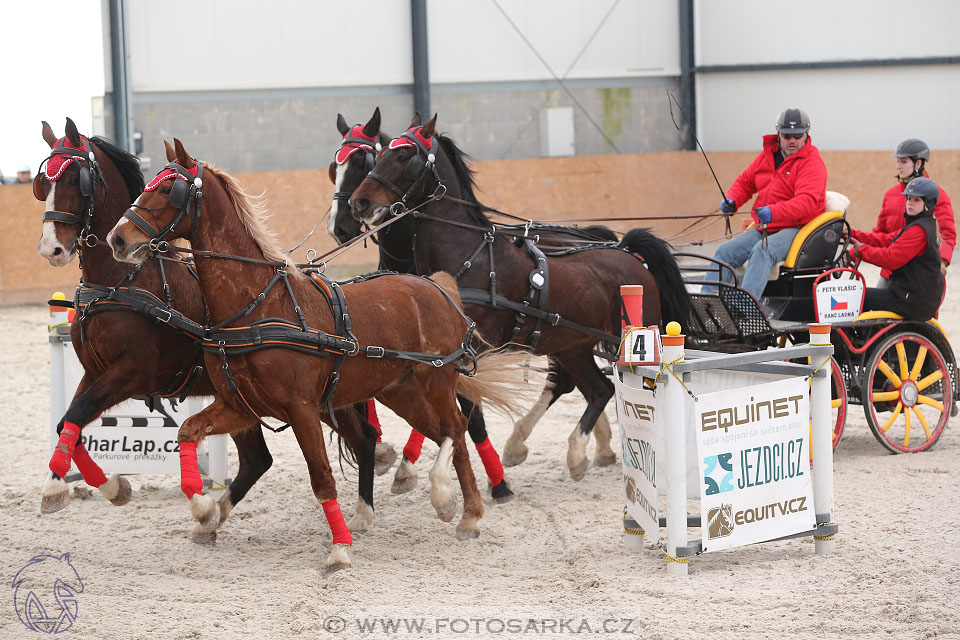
(923, 421)
(885, 396)
(893, 418)
(836, 402)
(918, 364)
(930, 402)
(902, 359)
(929, 380)
(887, 371)
(906, 431)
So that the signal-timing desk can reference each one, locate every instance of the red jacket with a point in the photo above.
(881, 249)
(892, 219)
(795, 191)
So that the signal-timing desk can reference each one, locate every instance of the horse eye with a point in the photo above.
(73, 181)
(165, 191)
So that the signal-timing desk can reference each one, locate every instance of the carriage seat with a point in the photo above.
(815, 245)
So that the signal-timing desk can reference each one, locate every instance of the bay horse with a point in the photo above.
(354, 159)
(238, 262)
(87, 184)
(424, 176)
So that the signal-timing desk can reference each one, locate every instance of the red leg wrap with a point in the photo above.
(491, 461)
(63, 452)
(90, 470)
(373, 419)
(190, 482)
(411, 451)
(341, 534)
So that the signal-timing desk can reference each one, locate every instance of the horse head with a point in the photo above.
(164, 211)
(402, 174)
(67, 182)
(355, 158)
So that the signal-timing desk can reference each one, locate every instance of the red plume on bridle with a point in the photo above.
(168, 174)
(404, 141)
(57, 162)
(354, 140)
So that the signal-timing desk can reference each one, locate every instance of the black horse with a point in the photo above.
(560, 305)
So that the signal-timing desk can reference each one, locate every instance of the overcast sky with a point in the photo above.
(53, 65)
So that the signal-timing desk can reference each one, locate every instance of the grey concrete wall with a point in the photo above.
(284, 130)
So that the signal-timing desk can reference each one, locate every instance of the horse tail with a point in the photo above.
(674, 298)
(505, 378)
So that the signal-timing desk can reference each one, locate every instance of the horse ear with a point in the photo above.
(332, 172)
(416, 121)
(372, 128)
(342, 125)
(430, 128)
(183, 158)
(72, 134)
(48, 136)
(171, 154)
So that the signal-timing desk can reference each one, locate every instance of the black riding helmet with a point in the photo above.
(924, 188)
(918, 151)
(793, 121)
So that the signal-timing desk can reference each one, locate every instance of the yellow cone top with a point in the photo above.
(673, 328)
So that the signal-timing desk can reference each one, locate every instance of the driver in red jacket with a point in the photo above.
(912, 157)
(790, 181)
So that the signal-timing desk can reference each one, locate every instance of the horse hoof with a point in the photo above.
(605, 461)
(512, 456)
(200, 536)
(117, 490)
(446, 511)
(468, 534)
(362, 520)
(339, 558)
(383, 458)
(225, 507)
(578, 471)
(405, 479)
(501, 493)
(56, 495)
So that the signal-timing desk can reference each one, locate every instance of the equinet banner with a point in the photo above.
(753, 445)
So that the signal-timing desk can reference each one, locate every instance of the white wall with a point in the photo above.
(866, 108)
(251, 44)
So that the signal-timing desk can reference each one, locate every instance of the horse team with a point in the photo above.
(459, 304)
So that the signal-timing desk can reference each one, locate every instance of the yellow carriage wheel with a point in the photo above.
(907, 392)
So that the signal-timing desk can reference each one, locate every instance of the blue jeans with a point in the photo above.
(746, 247)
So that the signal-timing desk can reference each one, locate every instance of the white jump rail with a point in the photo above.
(65, 374)
(678, 410)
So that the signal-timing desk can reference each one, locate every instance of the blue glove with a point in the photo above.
(728, 206)
(764, 215)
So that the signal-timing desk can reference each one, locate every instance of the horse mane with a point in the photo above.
(253, 213)
(465, 176)
(127, 164)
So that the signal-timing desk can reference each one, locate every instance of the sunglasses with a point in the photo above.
(792, 136)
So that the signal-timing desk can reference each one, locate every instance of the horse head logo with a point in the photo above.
(720, 521)
(631, 489)
(45, 593)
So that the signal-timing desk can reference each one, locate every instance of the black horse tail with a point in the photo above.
(674, 298)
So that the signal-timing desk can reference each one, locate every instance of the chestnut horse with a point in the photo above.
(353, 160)
(579, 304)
(85, 196)
(238, 263)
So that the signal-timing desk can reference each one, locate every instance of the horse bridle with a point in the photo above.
(186, 191)
(417, 169)
(370, 148)
(90, 175)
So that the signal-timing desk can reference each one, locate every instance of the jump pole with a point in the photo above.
(822, 443)
(675, 451)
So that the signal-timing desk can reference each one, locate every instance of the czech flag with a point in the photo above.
(837, 305)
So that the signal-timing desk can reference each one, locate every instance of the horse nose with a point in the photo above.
(118, 244)
(359, 207)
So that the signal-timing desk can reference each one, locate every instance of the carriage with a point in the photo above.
(903, 373)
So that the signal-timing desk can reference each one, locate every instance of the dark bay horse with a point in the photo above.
(354, 159)
(84, 200)
(449, 231)
(416, 373)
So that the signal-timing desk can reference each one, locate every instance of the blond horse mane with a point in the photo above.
(252, 211)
